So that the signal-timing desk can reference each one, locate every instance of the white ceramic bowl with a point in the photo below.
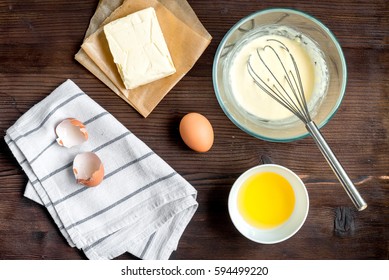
(283, 231)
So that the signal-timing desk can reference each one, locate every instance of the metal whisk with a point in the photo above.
(289, 92)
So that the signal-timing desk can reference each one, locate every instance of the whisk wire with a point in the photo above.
(286, 77)
(277, 90)
(301, 92)
(272, 91)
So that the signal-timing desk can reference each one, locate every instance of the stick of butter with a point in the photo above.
(139, 49)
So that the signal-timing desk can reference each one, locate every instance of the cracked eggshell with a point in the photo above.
(88, 169)
(71, 132)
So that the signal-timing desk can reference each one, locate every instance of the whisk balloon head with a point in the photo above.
(274, 70)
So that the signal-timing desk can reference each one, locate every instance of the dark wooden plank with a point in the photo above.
(38, 40)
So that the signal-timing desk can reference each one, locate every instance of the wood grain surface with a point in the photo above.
(38, 40)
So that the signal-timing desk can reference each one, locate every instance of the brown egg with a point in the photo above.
(71, 132)
(88, 169)
(197, 132)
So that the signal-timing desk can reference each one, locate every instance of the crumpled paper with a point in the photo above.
(185, 36)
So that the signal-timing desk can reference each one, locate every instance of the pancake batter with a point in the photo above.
(250, 97)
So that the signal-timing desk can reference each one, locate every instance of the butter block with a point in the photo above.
(138, 48)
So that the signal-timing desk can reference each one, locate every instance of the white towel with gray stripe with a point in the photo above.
(142, 206)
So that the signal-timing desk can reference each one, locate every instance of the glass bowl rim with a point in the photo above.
(254, 15)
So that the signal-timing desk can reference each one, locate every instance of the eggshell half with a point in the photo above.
(71, 132)
(197, 132)
(88, 169)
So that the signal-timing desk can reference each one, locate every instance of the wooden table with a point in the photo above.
(38, 40)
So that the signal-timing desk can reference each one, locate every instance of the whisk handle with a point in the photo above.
(348, 185)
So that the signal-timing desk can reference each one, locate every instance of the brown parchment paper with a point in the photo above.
(185, 36)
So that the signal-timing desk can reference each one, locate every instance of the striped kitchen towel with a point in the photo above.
(141, 207)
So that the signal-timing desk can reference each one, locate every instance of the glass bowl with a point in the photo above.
(267, 21)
